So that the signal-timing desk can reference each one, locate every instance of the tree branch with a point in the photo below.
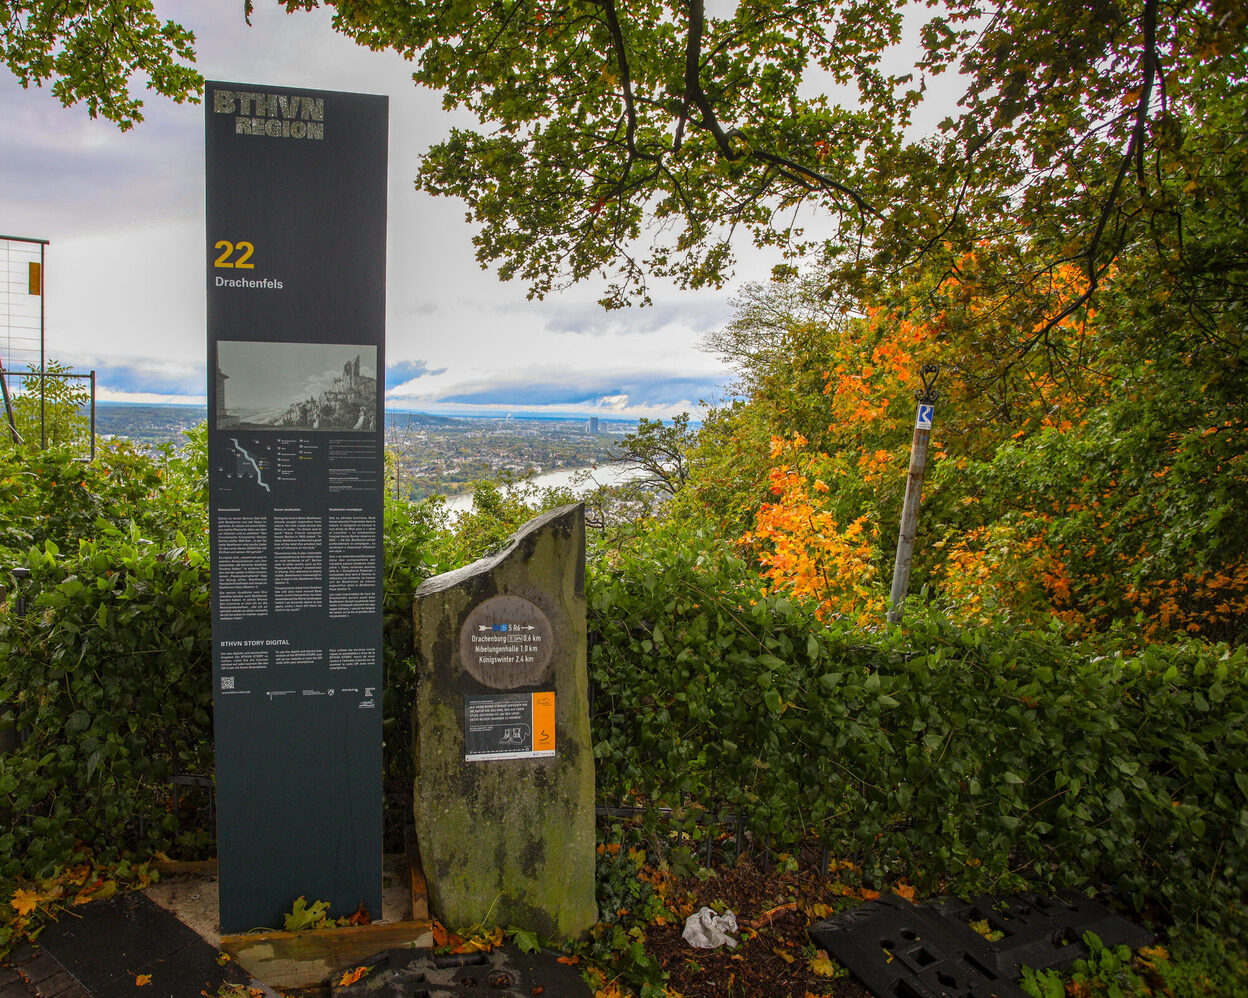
(694, 94)
(626, 85)
(1134, 153)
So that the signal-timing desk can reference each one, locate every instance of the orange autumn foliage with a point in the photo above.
(1087, 546)
(806, 553)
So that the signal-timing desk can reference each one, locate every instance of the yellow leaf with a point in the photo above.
(223, 959)
(25, 901)
(142, 980)
(784, 955)
(822, 966)
(985, 930)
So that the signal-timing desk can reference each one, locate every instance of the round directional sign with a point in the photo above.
(506, 642)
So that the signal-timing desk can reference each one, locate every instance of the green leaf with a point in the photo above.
(78, 721)
(526, 941)
(302, 917)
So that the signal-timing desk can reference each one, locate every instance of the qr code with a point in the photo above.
(227, 682)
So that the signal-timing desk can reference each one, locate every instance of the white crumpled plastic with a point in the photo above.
(706, 930)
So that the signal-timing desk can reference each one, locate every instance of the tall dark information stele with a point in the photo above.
(296, 243)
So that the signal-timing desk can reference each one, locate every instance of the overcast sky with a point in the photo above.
(124, 278)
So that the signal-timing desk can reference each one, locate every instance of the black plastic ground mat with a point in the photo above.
(900, 950)
(1045, 933)
(109, 945)
(503, 973)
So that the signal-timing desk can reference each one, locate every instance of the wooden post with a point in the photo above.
(914, 491)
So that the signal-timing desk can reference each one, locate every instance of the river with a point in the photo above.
(603, 474)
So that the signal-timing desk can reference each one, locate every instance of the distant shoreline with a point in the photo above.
(503, 414)
(614, 473)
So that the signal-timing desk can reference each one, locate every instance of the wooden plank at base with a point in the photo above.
(300, 959)
(197, 868)
(416, 877)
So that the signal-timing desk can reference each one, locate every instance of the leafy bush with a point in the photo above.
(50, 495)
(105, 683)
(1199, 964)
(409, 528)
(970, 757)
(107, 680)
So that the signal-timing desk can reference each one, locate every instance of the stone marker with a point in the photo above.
(504, 795)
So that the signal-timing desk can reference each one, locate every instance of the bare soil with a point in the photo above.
(774, 955)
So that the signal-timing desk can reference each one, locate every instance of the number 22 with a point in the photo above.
(227, 248)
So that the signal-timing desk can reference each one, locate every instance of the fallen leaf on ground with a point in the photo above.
(349, 977)
(142, 980)
(25, 901)
(822, 965)
(444, 937)
(987, 931)
(780, 909)
(784, 955)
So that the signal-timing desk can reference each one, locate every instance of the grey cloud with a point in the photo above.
(592, 320)
(144, 376)
(639, 388)
(403, 371)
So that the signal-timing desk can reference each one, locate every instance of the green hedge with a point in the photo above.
(966, 758)
(108, 678)
(107, 682)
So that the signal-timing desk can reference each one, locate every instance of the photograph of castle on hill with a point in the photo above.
(298, 386)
